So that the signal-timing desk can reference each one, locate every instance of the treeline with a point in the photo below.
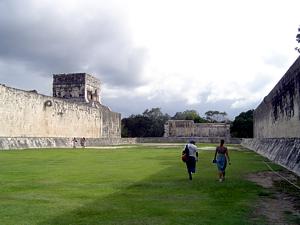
(151, 122)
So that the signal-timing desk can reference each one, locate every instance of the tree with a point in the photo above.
(242, 126)
(216, 116)
(298, 39)
(179, 116)
(158, 120)
(189, 115)
(149, 124)
(154, 113)
(135, 126)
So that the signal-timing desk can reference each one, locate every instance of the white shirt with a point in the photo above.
(192, 150)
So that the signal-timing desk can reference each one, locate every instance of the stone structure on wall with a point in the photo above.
(73, 111)
(187, 128)
(80, 87)
(278, 115)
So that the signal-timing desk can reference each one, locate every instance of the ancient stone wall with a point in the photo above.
(212, 130)
(278, 115)
(179, 128)
(28, 114)
(215, 140)
(283, 151)
(46, 142)
(187, 128)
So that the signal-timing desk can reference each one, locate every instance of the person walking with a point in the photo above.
(82, 142)
(74, 141)
(221, 158)
(191, 152)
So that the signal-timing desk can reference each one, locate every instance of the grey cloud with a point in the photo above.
(276, 60)
(47, 41)
(139, 105)
(260, 82)
(18, 76)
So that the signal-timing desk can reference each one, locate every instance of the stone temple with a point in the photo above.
(75, 110)
(187, 128)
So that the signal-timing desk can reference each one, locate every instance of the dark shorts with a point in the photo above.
(191, 165)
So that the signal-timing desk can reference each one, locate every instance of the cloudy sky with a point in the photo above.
(173, 54)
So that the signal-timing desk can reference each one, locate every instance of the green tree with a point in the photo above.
(135, 126)
(158, 120)
(242, 126)
(124, 128)
(149, 124)
(298, 39)
(189, 115)
(179, 116)
(216, 116)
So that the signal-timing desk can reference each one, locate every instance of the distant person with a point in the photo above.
(191, 152)
(82, 142)
(74, 141)
(221, 158)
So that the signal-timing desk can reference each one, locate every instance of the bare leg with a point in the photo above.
(220, 176)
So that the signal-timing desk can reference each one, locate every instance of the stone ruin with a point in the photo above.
(79, 87)
(187, 128)
(75, 110)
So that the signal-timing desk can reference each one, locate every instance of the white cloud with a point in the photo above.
(173, 53)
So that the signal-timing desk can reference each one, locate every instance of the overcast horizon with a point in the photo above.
(176, 55)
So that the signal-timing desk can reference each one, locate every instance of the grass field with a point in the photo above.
(138, 185)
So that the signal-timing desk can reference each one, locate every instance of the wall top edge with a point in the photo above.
(46, 97)
(288, 74)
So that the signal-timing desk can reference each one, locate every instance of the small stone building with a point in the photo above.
(80, 87)
(187, 128)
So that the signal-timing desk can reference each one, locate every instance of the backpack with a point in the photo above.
(185, 154)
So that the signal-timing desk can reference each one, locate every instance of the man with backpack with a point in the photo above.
(190, 156)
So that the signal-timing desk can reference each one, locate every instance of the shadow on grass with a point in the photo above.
(168, 197)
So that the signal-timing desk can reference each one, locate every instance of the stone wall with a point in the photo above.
(278, 115)
(212, 130)
(215, 140)
(179, 128)
(283, 151)
(28, 114)
(187, 128)
(277, 122)
(7, 143)
(42, 142)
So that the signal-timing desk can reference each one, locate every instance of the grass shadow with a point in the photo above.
(168, 197)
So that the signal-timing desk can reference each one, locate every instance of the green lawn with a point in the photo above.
(139, 185)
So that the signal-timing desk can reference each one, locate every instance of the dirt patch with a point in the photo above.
(279, 202)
